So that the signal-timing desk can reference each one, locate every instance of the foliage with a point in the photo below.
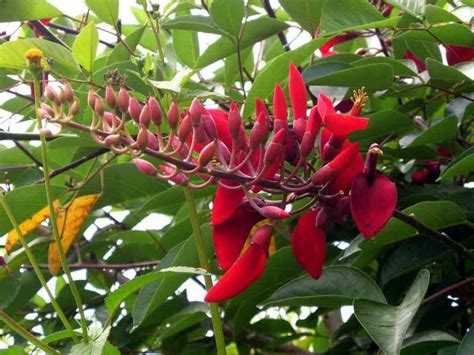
(130, 238)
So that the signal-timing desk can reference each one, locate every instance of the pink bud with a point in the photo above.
(155, 111)
(307, 143)
(152, 141)
(99, 107)
(179, 178)
(123, 99)
(109, 118)
(274, 212)
(68, 92)
(207, 153)
(184, 129)
(75, 107)
(263, 236)
(47, 109)
(134, 108)
(50, 93)
(145, 116)
(145, 167)
(113, 139)
(43, 114)
(183, 151)
(223, 152)
(91, 96)
(241, 140)
(280, 124)
(110, 97)
(209, 126)
(201, 136)
(195, 113)
(173, 115)
(45, 132)
(142, 137)
(259, 133)
(61, 96)
(299, 127)
(235, 122)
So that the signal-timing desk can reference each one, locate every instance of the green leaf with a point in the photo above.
(306, 12)
(12, 55)
(276, 71)
(441, 131)
(9, 287)
(113, 301)
(467, 344)
(413, 7)
(186, 47)
(195, 23)
(154, 294)
(231, 66)
(23, 10)
(95, 346)
(387, 325)
(427, 342)
(338, 285)
(399, 66)
(228, 14)
(343, 15)
(382, 123)
(121, 53)
(372, 76)
(463, 164)
(435, 14)
(85, 46)
(439, 71)
(13, 350)
(107, 10)
(255, 31)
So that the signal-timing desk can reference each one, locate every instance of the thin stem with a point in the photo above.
(449, 289)
(54, 225)
(100, 266)
(20, 330)
(36, 267)
(443, 237)
(204, 261)
(156, 33)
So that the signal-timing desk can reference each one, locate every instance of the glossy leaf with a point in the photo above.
(85, 46)
(463, 164)
(22, 10)
(413, 7)
(107, 10)
(307, 13)
(228, 15)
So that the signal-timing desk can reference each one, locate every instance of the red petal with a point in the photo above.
(372, 203)
(344, 158)
(343, 125)
(420, 65)
(323, 139)
(297, 90)
(246, 270)
(229, 237)
(458, 54)
(314, 121)
(344, 181)
(225, 203)
(280, 108)
(324, 106)
(220, 119)
(260, 107)
(309, 244)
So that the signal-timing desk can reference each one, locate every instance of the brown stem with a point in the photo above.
(449, 289)
(281, 35)
(99, 266)
(443, 237)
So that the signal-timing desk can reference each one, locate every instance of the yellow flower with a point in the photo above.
(35, 59)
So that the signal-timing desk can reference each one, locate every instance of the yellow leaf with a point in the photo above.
(69, 221)
(28, 226)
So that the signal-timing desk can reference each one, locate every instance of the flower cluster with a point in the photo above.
(262, 169)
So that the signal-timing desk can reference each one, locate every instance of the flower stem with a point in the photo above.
(36, 267)
(54, 225)
(204, 261)
(20, 330)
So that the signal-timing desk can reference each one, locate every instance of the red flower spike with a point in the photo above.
(225, 203)
(229, 237)
(458, 54)
(246, 270)
(343, 125)
(372, 203)
(274, 212)
(234, 123)
(297, 89)
(309, 244)
(280, 108)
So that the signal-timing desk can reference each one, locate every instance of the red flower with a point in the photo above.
(458, 54)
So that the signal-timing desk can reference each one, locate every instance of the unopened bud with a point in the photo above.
(209, 126)
(223, 152)
(99, 107)
(61, 96)
(274, 150)
(179, 178)
(48, 109)
(206, 154)
(274, 212)
(75, 107)
(43, 114)
(152, 141)
(155, 111)
(113, 139)
(142, 137)
(299, 127)
(145, 117)
(173, 115)
(195, 113)
(45, 132)
(110, 97)
(323, 218)
(263, 236)
(135, 109)
(123, 99)
(307, 144)
(145, 167)
(91, 97)
(280, 124)
(234, 122)
(201, 136)
(68, 92)
(50, 93)
(324, 175)
(184, 129)
(259, 133)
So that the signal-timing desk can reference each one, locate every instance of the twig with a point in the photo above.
(11, 136)
(449, 289)
(443, 237)
(271, 13)
(99, 266)
(75, 32)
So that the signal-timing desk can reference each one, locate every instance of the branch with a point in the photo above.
(75, 32)
(449, 289)
(11, 136)
(443, 237)
(80, 266)
(271, 13)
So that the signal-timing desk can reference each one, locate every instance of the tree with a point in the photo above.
(165, 194)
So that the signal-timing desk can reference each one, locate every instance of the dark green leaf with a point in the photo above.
(9, 287)
(107, 10)
(121, 53)
(399, 67)
(439, 71)
(306, 12)
(22, 10)
(228, 15)
(463, 164)
(435, 14)
(427, 342)
(387, 325)
(439, 132)
(186, 47)
(467, 344)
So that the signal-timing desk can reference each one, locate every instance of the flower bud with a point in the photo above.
(43, 114)
(307, 143)
(155, 111)
(99, 106)
(152, 141)
(184, 129)
(145, 116)
(207, 153)
(241, 140)
(142, 137)
(91, 96)
(274, 212)
(279, 124)
(201, 136)
(183, 151)
(209, 126)
(113, 139)
(50, 93)
(263, 236)
(123, 99)
(47, 109)
(61, 96)
(45, 132)
(299, 127)
(370, 166)
(195, 113)
(134, 109)
(275, 148)
(323, 218)
(223, 152)
(178, 179)
(75, 107)
(68, 92)
(145, 167)
(259, 133)
(173, 115)
(110, 97)
(234, 122)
